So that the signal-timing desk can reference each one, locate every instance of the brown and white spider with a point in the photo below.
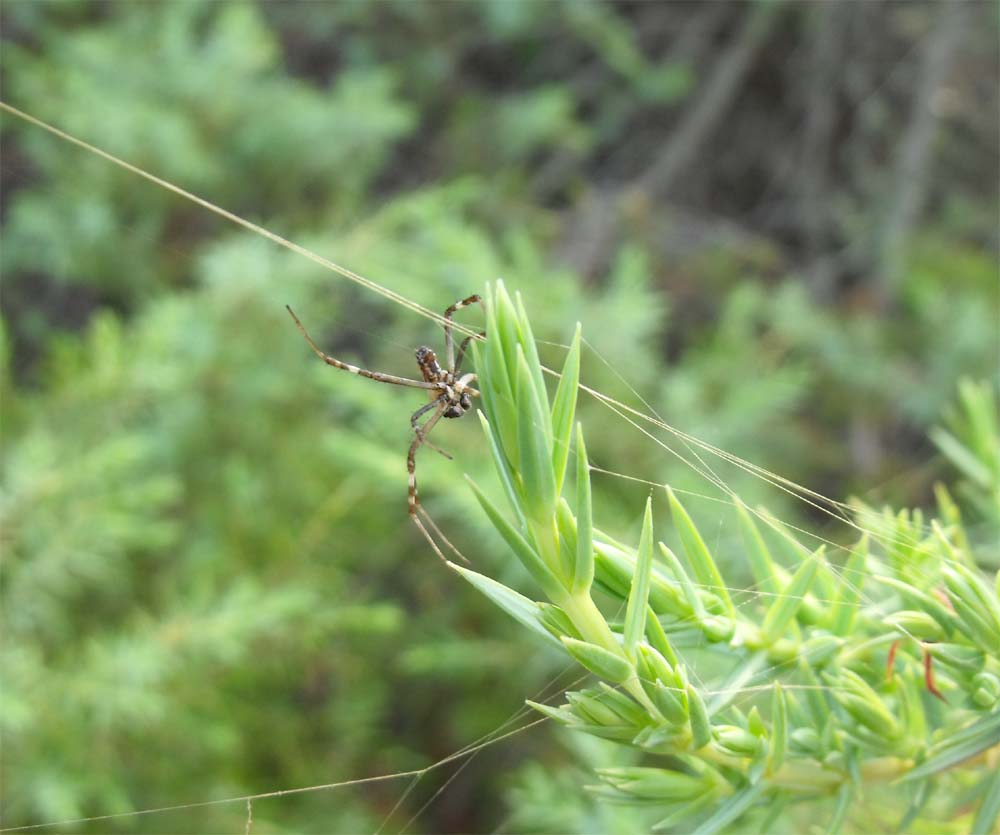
(451, 396)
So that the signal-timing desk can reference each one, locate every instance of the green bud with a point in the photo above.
(671, 702)
(736, 741)
(603, 663)
(864, 704)
(986, 689)
(835, 760)
(914, 624)
(655, 664)
(866, 738)
(755, 722)
(701, 724)
(977, 609)
(805, 741)
(718, 629)
(655, 783)
(622, 704)
(780, 652)
(592, 711)
(959, 656)
(662, 739)
(820, 649)
(811, 611)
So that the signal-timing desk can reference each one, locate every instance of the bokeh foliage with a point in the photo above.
(209, 584)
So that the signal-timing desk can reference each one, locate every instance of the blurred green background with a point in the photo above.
(776, 221)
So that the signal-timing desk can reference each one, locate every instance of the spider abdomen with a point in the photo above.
(427, 361)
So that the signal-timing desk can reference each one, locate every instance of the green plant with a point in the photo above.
(825, 680)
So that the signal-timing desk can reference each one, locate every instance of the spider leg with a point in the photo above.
(461, 351)
(361, 372)
(440, 533)
(449, 343)
(413, 506)
(465, 381)
(416, 510)
(421, 431)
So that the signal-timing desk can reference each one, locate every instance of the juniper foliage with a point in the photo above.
(822, 683)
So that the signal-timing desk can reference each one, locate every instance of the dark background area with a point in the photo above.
(777, 222)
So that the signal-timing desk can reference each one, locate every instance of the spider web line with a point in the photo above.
(787, 485)
(326, 263)
(248, 798)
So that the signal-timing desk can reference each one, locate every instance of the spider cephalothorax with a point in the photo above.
(450, 393)
(456, 391)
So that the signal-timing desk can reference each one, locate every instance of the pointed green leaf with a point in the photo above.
(658, 638)
(615, 566)
(583, 571)
(684, 581)
(971, 740)
(845, 795)
(527, 340)
(564, 409)
(699, 557)
(919, 796)
(961, 456)
(684, 812)
(601, 662)
(503, 470)
(506, 327)
(740, 677)
(519, 545)
(794, 550)
(701, 724)
(816, 696)
(731, 809)
(494, 366)
(557, 621)
(612, 572)
(560, 714)
(779, 730)
(975, 604)
(920, 600)
(783, 609)
(635, 613)
(534, 452)
(761, 563)
(566, 525)
(513, 603)
(494, 382)
(989, 806)
(852, 576)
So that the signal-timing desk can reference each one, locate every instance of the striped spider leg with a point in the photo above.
(450, 393)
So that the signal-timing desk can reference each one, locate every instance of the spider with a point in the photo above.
(450, 393)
